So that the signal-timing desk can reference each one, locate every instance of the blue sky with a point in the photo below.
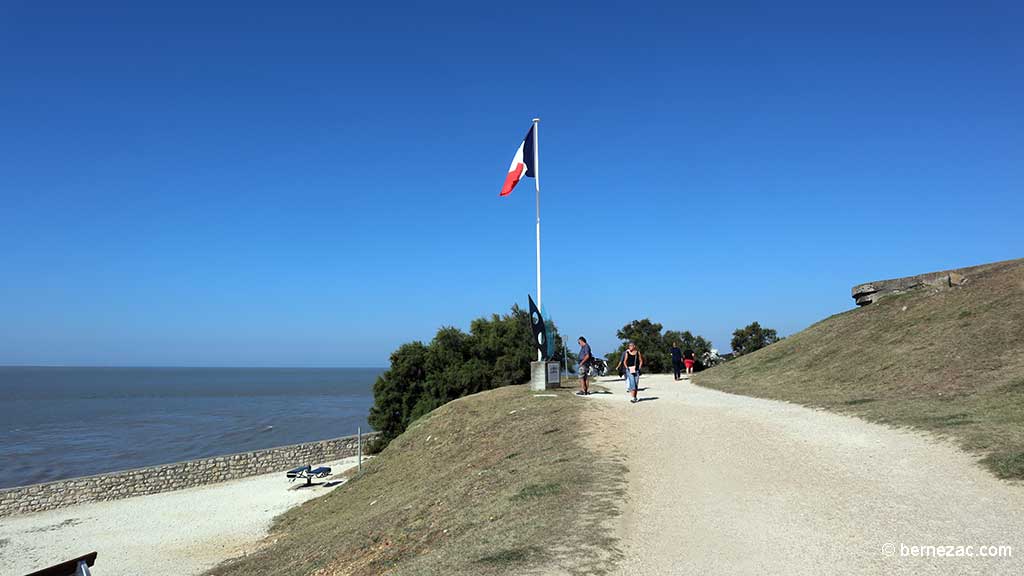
(313, 185)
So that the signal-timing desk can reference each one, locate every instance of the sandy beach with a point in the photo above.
(183, 532)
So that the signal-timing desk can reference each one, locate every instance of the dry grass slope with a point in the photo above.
(494, 483)
(948, 361)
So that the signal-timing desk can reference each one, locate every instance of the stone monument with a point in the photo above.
(545, 375)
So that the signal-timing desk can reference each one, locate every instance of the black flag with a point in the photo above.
(540, 334)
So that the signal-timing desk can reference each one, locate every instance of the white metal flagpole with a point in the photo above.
(536, 181)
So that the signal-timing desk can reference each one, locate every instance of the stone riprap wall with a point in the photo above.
(168, 477)
(869, 292)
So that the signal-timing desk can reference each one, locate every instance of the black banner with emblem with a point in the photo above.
(540, 334)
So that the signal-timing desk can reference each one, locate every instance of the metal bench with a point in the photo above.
(308, 472)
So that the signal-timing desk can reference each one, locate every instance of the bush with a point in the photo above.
(496, 352)
(752, 337)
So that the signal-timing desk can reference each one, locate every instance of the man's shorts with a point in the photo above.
(584, 370)
(688, 363)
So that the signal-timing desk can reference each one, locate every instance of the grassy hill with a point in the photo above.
(495, 483)
(950, 361)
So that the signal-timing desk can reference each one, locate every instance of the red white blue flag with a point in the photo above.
(523, 164)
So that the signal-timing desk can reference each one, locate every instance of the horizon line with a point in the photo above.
(224, 366)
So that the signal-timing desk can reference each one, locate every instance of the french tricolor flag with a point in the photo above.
(523, 164)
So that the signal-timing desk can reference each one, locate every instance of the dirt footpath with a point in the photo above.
(725, 484)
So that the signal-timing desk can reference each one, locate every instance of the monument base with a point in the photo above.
(545, 375)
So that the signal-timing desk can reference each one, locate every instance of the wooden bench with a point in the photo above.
(76, 567)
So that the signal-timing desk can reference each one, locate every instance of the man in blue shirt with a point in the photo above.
(677, 359)
(585, 359)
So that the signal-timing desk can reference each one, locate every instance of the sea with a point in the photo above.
(63, 422)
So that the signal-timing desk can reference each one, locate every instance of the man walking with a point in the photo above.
(585, 359)
(677, 360)
(688, 361)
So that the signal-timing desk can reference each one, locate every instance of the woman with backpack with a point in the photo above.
(633, 361)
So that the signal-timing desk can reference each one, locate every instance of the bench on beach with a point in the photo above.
(75, 567)
(308, 472)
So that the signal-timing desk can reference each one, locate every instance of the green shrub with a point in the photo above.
(496, 352)
(752, 337)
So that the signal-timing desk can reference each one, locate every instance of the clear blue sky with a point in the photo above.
(314, 184)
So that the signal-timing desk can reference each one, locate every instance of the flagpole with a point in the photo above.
(536, 181)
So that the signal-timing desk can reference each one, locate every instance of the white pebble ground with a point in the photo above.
(180, 533)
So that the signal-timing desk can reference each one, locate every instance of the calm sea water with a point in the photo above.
(65, 422)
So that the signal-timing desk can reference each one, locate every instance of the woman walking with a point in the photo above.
(633, 361)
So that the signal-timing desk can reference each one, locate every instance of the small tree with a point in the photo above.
(753, 337)
(397, 392)
(648, 339)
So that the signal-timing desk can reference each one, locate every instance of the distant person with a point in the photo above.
(586, 359)
(677, 360)
(634, 362)
(688, 360)
(620, 367)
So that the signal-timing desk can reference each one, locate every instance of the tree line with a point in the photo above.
(656, 345)
(497, 351)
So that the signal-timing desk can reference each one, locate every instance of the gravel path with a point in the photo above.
(725, 484)
(174, 533)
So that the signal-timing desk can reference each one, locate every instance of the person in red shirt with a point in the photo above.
(688, 360)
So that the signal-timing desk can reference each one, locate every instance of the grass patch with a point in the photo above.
(948, 361)
(512, 556)
(483, 485)
(938, 422)
(1006, 464)
(1016, 387)
(537, 491)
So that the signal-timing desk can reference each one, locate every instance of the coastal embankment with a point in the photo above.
(943, 358)
(178, 533)
(170, 477)
(500, 482)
